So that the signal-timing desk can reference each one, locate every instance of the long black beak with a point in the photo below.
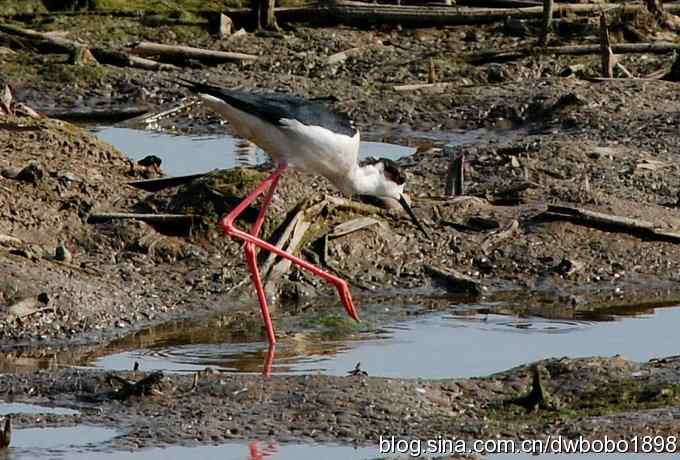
(407, 208)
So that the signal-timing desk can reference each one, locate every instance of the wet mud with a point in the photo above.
(606, 147)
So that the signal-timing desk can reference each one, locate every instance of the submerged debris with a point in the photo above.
(147, 386)
(358, 371)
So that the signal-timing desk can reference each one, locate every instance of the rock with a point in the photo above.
(516, 27)
(570, 99)
(10, 172)
(454, 281)
(150, 161)
(62, 253)
(33, 173)
(484, 264)
(496, 73)
(572, 70)
(569, 266)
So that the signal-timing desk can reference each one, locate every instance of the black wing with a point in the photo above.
(275, 107)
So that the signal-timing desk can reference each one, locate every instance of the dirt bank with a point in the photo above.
(582, 397)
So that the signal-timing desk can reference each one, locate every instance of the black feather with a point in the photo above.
(275, 107)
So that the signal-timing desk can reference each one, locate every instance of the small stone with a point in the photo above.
(32, 173)
(62, 253)
(151, 161)
(9, 172)
(496, 73)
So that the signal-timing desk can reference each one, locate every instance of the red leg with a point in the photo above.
(269, 360)
(341, 285)
(251, 257)
(251, 240)
(249, 249)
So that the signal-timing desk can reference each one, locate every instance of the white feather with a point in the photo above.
(312, 148)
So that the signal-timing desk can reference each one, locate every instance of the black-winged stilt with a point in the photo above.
(307, 135)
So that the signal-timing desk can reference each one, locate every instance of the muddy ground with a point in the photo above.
(606, 146)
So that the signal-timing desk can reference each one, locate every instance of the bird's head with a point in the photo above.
(383, 178)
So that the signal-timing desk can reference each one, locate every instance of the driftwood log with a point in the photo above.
(156, 219)
(181, 54)
(99, 114)
(356, 13)
(612, 223)
(503, 55)
(155, 185)
(79, 53)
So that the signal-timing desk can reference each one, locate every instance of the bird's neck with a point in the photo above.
(363, 180)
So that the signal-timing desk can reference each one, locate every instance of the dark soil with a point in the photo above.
(590, 397)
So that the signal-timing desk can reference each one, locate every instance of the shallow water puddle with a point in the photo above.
(57, 443)
(23, 408)
(241, 451)
(434, 346)
(252, 451)
(183, 155)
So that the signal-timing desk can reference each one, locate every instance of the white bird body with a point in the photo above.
(311, 148)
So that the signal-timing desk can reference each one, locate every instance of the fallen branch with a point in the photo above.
(610, 222)
(498, 3)
(150, 118)
(154, 185)
(49, 42)
(496, 238)
(278, 270)
(182, 220)
(113, 114)
(290, 225)
(419, 86)
(181, 54)
(503, 55)
(351, 226)
(122, 59)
